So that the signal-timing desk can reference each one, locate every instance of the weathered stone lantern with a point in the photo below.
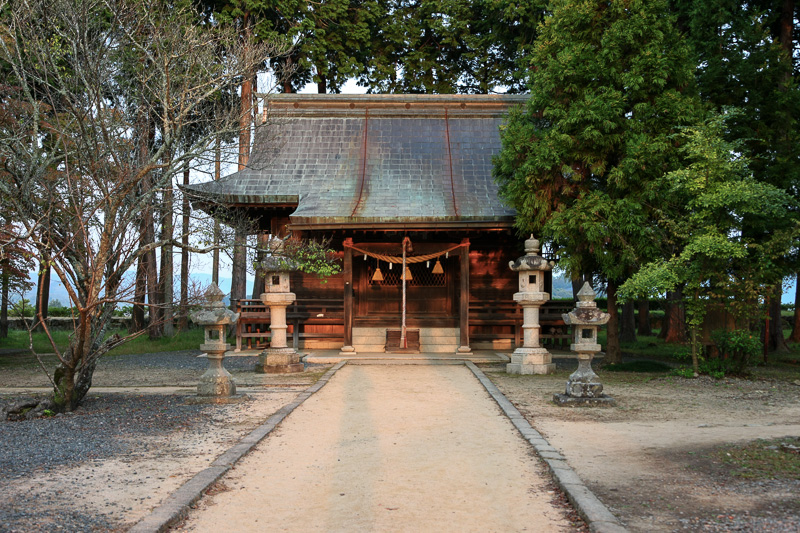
(584, 387)
(278, 358)
(216, 385)
(531, 357)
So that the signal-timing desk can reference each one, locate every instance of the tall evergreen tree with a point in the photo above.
(610, 83)
(747, 57)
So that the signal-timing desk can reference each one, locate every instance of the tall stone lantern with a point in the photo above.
(278, 358)
(584, 387)
(216, 384)
(531, 357)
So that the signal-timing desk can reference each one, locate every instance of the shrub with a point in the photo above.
(737, 346)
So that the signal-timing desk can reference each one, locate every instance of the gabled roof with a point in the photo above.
(374, 161)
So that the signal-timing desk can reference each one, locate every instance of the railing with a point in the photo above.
(252, 328)
(508, 315)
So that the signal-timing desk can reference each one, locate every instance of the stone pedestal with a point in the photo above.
(279, 358)
(531, 357)
(216, 385)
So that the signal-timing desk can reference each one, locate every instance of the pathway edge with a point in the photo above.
(591, 509)
(176, 505)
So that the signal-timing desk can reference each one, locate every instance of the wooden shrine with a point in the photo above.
(370, 173)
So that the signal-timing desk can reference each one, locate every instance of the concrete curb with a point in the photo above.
(597, 515)
(177, 504)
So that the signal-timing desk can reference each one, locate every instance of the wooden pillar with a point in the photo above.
(348, 297)
(463, 311)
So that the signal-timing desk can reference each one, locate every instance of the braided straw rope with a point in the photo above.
(413, 259)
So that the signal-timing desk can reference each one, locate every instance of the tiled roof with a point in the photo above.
(374, 160)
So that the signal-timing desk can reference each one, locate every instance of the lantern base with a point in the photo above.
(279, 361)
(565, 400)
(216, 385)
(531, 361)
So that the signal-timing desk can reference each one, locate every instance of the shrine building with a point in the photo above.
(367, 172)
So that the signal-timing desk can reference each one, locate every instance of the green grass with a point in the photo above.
(763, 459)
(19, 340)
(186, 340)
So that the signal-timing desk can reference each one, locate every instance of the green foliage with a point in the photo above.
(582, 163)
(21, 308)
(739, 347)
(742, 63)
(727, 229)
(306, 255)
(682, 372)
(401, 46)
(60, 311)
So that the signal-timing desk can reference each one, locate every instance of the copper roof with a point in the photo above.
(374, 160)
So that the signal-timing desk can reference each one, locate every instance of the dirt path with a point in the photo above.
(411, 448)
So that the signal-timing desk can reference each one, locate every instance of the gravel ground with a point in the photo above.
(126, 427)
(111, 425)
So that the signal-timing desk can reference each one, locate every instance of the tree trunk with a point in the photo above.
(676, 317)
(151, 274)
(259, 284)
(776, 339)
(166, 283)
(239, 274)
(139, 295)
(322, 84)
(215, 253)
(576, 287)
(644, 318)
(613, 351)
(795, 336)
(5, 281)
(664, 331)
(628, 330)
(183, 313)
(42, 293)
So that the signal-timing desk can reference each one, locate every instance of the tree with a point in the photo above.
(15, 263)
(610, 82)
(450, 46)
(81, 75)
(747, 57)
(730, 229)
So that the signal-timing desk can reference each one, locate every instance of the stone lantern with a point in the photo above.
(278, 358)
(216, 385)
(584, 387)
(531, 357)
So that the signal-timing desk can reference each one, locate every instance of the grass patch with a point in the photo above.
(652, 367)
(764, 459)
(651, 346)
(186, 340)
(19, 340)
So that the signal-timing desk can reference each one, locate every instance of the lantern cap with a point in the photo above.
(532, 246)
(586, 294)
(531, 261)
(214, 312)
(586, 312)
